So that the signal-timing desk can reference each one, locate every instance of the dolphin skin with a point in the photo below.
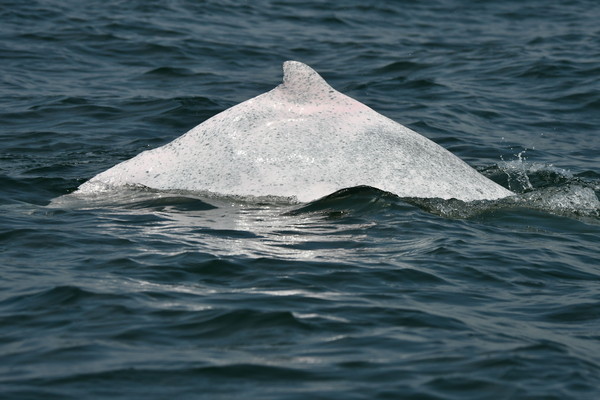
(302, 140)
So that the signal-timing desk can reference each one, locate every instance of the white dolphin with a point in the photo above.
(301, 140)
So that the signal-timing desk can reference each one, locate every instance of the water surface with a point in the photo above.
(361, 295)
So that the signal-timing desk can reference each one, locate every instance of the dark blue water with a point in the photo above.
(361, 295)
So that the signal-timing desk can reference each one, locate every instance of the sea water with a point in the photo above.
(360, 295)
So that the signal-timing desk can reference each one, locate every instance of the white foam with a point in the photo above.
(569, 198)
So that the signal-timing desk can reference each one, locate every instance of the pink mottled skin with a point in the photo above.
(301, 140)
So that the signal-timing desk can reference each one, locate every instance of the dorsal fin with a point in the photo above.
(299, 77)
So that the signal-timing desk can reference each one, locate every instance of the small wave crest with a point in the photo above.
(358, 199)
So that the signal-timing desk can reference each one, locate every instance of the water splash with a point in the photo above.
(537, 186)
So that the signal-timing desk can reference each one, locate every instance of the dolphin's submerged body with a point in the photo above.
(301, 140)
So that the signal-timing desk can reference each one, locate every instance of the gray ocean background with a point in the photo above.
(360, 295)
